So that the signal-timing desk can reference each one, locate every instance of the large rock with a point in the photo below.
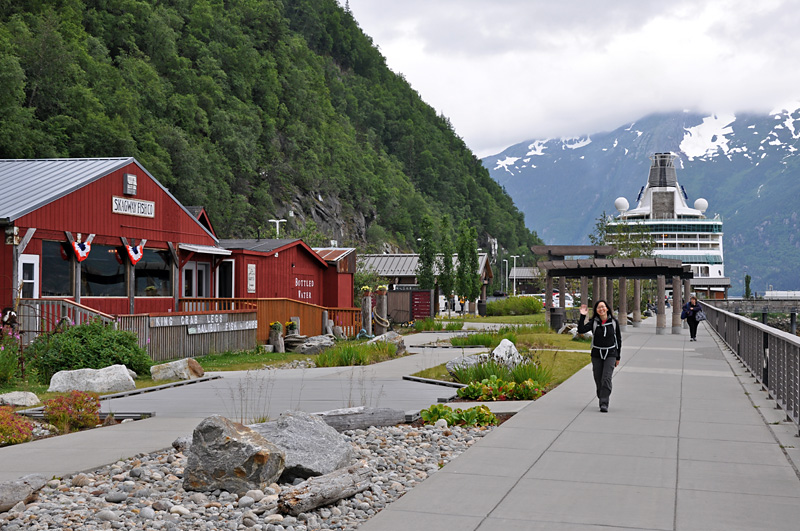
(507, 354)
(229, 456)
(111, 379)
(185, 369)
(309, 345)
(20, 490)
(312, 447)
(463, 362)
(391, 337)
(19, 399)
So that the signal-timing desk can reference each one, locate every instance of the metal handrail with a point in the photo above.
(772, 356)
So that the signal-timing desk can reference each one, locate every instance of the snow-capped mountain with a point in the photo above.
(747, 166)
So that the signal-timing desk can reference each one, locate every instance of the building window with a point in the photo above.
(56, 270)
(103, 272)
(154, 274)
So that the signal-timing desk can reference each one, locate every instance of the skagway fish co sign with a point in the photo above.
(133, 207)
(204, 324)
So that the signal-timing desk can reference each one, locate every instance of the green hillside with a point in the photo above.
(253, 108)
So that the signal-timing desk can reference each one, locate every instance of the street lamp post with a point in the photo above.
(505, 289)
(277, 223)
(515, 256)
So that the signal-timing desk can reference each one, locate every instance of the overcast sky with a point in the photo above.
(505, 71)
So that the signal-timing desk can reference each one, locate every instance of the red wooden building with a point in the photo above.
(103, 232)
(285, 268)
(339, 277)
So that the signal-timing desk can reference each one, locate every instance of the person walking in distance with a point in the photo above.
(606, 346)
(689, 313)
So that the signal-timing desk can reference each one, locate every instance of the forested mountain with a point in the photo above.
(745, 165)
(255, 109)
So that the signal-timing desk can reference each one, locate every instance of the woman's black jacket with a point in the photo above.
(606, 337)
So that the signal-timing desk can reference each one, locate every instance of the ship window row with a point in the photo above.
(681, 227)
(687, 246)
(693, 258)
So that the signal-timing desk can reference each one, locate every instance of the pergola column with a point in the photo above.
(548, 298)
(596, 295)
(562, 291)
(687, 294)
(661, 316)
(602, 294)
(623, 303)
(637, 303)
(676, 305)
(610, 293)
(585, 290)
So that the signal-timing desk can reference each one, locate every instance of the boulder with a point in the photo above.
(391, 337)
(229, 456)
(507, 354)
(311, 345)
(111, 379)
(19, 399)
(462, 362)
(338, 332)
(312, 447)
(20, 490)
(184, 369)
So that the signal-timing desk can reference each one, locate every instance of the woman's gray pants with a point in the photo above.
(603, 370)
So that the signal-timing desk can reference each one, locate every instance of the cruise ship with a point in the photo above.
(678, 230)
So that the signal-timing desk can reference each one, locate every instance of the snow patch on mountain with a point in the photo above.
(708, 138)
(537, 148)
(575, 142)
(506, 163)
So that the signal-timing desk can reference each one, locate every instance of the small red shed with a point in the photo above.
(339, 276)
(284, 268)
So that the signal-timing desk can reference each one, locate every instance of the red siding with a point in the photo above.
(7, 293)
(294, 274)
(88, 210)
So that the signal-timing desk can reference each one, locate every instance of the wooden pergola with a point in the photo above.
(604, 271)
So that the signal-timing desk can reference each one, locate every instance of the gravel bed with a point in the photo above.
(145, 492)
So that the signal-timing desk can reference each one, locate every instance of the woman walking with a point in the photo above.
(606, 346)
(690, 310)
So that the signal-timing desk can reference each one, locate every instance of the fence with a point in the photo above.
(174, 335)
(271, 310)
(771, 355)
(37, 316)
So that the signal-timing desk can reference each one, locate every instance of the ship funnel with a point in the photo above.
(662, 170)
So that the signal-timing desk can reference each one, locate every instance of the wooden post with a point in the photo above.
(623, 304)
(610, 293)
(687, 294)
(562, 291)
(381, 323)
(584, 290)
(676, 305)
(366, 312)
(596, 295)
(637, 303)
(548, 298)
(661, 318)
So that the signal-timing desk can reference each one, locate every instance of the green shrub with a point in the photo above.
(9, 357)
(480, 372)
(344, 354)
(493, 388)
(92, 345)
(514, 306)
(474, 416)
(531, 370)
(14, 429)
(453, 326)
(427, 324)
(75, 410)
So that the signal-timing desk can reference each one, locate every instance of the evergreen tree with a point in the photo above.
(446, 274)
(427, 255)
(467, 274)
(747, 293)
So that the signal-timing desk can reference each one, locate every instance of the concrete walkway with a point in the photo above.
(685, 446)
(689, 443)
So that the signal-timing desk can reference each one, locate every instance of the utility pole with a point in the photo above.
(515, 273)
(505, 288)
(277, 223)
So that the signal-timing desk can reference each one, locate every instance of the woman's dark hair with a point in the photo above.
(594, 310)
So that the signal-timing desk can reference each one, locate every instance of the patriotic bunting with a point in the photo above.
(82, 250)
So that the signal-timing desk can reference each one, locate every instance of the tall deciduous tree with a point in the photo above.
(467, 274)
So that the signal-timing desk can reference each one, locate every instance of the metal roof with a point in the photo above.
(252, 244)
(333, 254)
(405, 265)
(524, 273)
(205, 249)
(29, 184)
